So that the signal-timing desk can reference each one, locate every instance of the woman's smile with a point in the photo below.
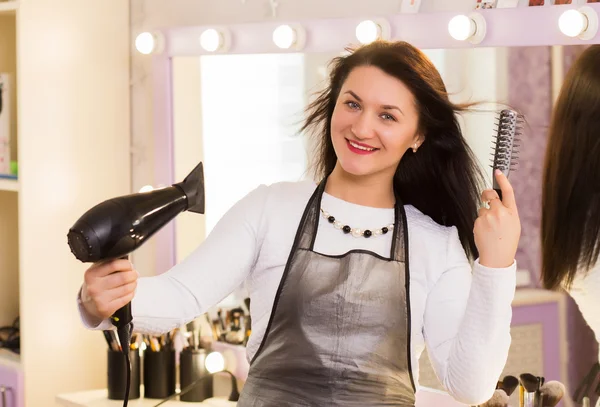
(360, 148)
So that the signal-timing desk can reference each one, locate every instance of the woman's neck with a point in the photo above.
(376, 190)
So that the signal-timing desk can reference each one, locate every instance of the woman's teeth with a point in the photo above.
(361, 147)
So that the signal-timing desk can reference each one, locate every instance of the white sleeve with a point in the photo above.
(467, 325)
(209, 274)
(586, 293)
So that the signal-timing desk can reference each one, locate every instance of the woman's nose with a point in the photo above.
(363, 127)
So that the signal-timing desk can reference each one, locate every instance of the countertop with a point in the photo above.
(425, 397)
(99, 398)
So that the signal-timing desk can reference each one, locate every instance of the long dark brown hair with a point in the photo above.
(442, 179)
(570, 226)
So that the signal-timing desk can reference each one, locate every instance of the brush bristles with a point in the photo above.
(552, 392)
(499, 399)
(507, 138)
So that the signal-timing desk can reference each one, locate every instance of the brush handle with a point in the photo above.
(495, 184)
(499, 192)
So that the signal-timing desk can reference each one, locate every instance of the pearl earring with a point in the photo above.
(414, 148)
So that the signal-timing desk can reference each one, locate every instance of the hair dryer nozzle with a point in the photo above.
(193, 188)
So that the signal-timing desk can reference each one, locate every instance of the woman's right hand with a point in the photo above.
(107, 287)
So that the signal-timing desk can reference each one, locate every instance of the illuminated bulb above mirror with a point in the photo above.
(149, 43)
(213, 40)
(467, 28)
(372, 30)
(214, 362)
(289, 36)
(582, 23)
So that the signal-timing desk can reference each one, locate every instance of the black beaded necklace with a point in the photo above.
(355, 231)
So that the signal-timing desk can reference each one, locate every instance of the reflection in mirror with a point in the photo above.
(248, 125)
(241, 114)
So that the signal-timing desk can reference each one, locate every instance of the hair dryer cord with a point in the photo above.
(124, 334)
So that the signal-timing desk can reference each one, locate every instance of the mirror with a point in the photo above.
(245, 122)
(240, 115)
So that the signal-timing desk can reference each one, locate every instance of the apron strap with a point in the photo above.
(399, 250)
(307, 231)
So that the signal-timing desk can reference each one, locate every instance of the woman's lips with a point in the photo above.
(360, 148)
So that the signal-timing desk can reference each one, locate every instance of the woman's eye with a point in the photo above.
(352, 105)
(388, 117)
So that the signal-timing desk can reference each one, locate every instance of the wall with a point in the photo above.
(73, 61)
(9, 276)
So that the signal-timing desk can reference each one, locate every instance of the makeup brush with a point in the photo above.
(509, 384)
(499, 399)
(529, 395)
(552, 392)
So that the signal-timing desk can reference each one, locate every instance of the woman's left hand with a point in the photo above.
(498, 228)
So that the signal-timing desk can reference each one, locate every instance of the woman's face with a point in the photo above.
(374, 122)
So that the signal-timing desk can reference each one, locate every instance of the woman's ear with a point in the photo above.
(417, 141)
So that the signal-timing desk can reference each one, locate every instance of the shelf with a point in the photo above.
(8, 7)
(9, 184)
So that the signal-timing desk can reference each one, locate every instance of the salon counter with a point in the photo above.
(99, 398)
(425, 397)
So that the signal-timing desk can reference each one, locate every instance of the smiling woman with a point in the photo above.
(392, 98)
(352, 276)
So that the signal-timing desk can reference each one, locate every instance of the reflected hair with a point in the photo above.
(570, 225)
(443, 179)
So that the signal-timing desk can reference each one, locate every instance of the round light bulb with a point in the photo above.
(146, 188)
(461, 27)
(572, 23)
(215, 362)
(284, 36)
(367, 32)
(211, 40)
(145, 43)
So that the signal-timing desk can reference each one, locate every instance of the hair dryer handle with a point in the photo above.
(122, 316)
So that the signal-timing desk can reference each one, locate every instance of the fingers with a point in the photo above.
(98, 286)
(122, 291)
(120, 279)
(508, 196)
(108, 286)
(120, 303)
(109, 301)
(102, 269)
(488, 195)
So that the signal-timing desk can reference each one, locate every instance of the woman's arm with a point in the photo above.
(467, 325)
(211, 272)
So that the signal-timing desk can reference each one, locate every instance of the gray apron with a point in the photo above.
(339, 331)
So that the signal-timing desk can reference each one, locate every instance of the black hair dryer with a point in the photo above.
(118, 226)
